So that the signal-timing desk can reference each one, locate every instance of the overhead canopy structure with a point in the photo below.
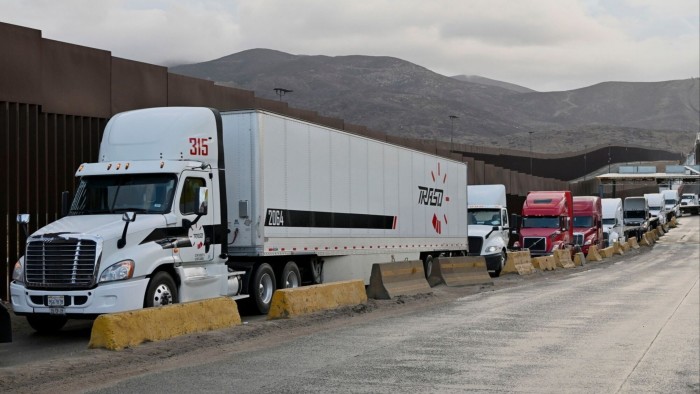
(659, 178)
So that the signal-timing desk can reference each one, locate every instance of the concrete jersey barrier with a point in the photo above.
(545, 263)
(304, 300)
(460, 271)
(389, 280)
(116, 331)
(562, 258)
(593, 254)
(519, 262)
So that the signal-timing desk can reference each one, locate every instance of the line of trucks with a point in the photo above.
(188, 203)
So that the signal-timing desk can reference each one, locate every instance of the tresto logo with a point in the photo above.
(434, 196)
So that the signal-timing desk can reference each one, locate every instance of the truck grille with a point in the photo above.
(578, 239)
(61, 263)
(535, 244)
(475, 245)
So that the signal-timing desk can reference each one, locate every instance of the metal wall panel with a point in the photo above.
(137, 85)
(20, 64)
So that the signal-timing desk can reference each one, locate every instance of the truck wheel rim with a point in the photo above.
(291, 280)
(265, 288)
(162, 295)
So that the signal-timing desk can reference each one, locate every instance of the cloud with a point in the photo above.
(543, 44)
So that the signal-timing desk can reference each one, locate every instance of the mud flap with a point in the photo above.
(5, 325)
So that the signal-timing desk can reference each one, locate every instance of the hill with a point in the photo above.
(401, 98)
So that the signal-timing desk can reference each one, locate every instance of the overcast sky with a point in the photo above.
(540, 44)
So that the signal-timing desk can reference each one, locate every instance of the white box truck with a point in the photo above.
(613, 221)
(672, 202)
(657, 209)
(488, 225)
(186, 204)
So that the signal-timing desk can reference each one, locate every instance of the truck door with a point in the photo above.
(505, 230)
(197, 247)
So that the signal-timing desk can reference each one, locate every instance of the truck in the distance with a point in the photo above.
(186, 204)
(588, 222)
(613, 221)
(657, 209)
(547, 222)
(690, 203)
(673, 203)
(636, 216)
(488, 225)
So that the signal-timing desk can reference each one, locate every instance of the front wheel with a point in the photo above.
(161, 291)
(46, 324)
(502, 263)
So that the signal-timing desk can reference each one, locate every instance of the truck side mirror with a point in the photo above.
(515, 223)
(23, 220)
(127, 218)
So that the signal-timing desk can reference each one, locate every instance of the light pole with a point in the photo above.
(281, 92)
(452, 130)
(530, 132)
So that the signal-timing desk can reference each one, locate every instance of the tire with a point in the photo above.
(46, 324)
(290, 277)
(261, 288)
(161, 291)
(504, 258)
(428, 266)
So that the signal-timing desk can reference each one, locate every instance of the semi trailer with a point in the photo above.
(188, 203)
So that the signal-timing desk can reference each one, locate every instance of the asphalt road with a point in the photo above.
(632, 326)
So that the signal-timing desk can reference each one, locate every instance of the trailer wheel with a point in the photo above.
(261, 288)
(161, 291)
(291, 277)
(46, 324)
(428, 266)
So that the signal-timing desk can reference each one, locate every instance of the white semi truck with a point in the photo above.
(488, 225)
(613, 221)
(186, 204)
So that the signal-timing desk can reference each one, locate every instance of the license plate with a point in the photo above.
(55, 301)
(57, 310)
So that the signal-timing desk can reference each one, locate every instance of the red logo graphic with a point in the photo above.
(433, 196)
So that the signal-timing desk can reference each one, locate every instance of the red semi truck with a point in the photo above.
(588, 222)
(546, 224)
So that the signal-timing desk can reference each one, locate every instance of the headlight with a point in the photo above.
(588, 242)
(491, 249)
(119, 271)
(18, 272)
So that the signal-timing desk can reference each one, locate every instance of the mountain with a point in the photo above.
(492, 82)
(401, 98)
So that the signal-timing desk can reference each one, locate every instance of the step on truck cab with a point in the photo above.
(488, 225)
(588, 222)
(613, 221)
(636, 216)
(547, 222)
(186, 203)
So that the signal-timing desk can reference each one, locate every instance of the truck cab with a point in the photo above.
(636, 216)
(547, 222)
(672, 202)
(588, 224)
(488, 225)
(657, 209)
(613, 222)
(144, 228)
(690, 203)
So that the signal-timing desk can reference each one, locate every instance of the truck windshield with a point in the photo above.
(141, 193)
(610, 221)
(489, 217)
(670, 202)
(583, 221)
(541, 222)
(653, 208)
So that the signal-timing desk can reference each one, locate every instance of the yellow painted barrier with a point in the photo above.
(460, 271)
(117, 331)
(579, 259)
(545, 263)
(660, 231)
(510, 263)
(389, 280)
(299, 301)
(625, 246)
(593, 254)
(647, 240)
(520, 262)
(633, 242)
(673, 222)
(607, 252)
(562, 258)
(618, 249)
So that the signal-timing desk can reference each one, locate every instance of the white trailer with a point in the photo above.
(488, 225)
(187, 204)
